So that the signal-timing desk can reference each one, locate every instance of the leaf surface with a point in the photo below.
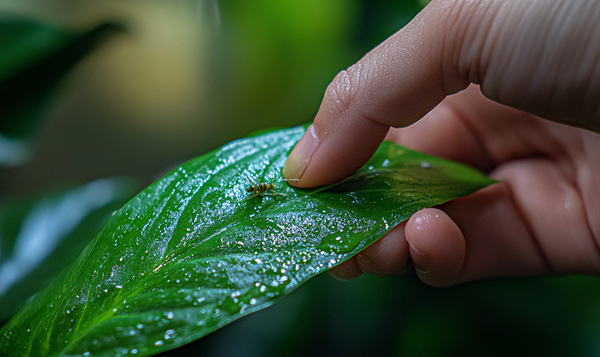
(190, 253)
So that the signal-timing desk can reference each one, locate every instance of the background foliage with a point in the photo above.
(185, 77)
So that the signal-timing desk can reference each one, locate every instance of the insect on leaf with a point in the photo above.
(186, 257)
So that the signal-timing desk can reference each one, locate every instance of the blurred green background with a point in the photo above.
(133, 88)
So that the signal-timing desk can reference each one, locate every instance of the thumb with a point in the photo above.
(512, 48)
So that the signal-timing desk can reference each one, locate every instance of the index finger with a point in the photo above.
(393, 85)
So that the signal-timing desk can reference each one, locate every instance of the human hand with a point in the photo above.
(539, 57)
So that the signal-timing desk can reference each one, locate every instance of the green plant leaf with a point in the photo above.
(190, 253)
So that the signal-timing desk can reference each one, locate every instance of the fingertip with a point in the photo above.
(325, 156)
(347, 270)
(387, 255)
(436, 246)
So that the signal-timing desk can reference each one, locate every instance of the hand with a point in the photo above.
(539, 57)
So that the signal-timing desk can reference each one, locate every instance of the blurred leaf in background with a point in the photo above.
(40, 236)
(136, 96)
(34, 56)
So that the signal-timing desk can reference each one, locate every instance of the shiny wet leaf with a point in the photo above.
(190, 253)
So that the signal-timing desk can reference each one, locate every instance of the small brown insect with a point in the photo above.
(260, 189)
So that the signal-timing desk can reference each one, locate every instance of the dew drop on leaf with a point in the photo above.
(169, 334)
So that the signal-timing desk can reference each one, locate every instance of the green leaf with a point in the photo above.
(24, 42)
(190, 253)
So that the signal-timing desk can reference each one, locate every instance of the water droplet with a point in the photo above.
(134, 351)
(139, 326)
(86, 354)
(159, 343)
(170, 334)
(425, 165)
(169, 315)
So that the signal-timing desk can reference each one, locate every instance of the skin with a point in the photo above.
(508, 87)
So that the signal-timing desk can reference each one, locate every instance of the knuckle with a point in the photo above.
(341, 94)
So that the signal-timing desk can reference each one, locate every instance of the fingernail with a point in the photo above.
(420, 270)
(405, 269)
(343, 276)
(368, 265)
(419, 259)
(300, 157)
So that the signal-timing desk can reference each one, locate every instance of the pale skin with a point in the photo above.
(505, 74)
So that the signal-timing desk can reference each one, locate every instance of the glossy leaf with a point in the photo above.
(191, 253)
